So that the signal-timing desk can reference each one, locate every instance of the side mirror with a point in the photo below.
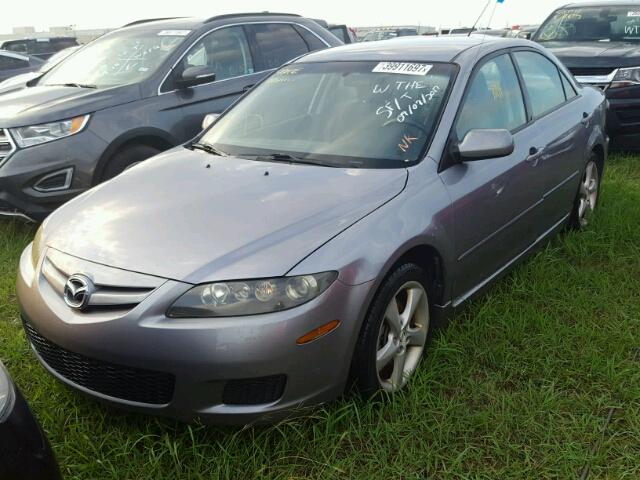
(481, 144)
(209, 119)
(193, 76)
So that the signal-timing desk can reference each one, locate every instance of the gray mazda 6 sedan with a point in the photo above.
(312, 236)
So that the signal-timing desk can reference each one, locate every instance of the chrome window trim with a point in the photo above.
(164, 79)
(13, 145)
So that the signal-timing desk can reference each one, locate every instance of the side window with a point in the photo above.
(277, 43)
(542, 81)
(11, 63)
(569, 91)
(313, 42)
(494, 99)
(225, 51)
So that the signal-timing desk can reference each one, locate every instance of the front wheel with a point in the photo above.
(127, 158)
(394, 334)
(587, 197)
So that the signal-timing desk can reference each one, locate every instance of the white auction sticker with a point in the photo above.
(633, 14)
(402, 68)
(174, 33)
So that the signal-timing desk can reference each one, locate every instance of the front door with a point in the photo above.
(493, 203)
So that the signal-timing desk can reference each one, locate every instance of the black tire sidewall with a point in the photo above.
(125, 158)
(363, 366)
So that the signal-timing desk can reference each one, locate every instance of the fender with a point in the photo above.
(143, 132)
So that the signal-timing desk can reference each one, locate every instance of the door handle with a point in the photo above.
(585, 119)
(247, 88)
(535, 155)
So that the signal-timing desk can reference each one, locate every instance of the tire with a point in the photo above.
(398, 344)
(126, 158)
(588, 194)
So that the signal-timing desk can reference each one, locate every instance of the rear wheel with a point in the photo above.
(394, 335)
(588, 193)
(127, 158)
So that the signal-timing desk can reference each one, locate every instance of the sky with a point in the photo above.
(113, 13)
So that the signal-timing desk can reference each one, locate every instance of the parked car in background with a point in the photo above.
(494, 32)
(344, 33)
(386, 34)
(42, 48)
(522, 31)
(312, 236)
(25, 453)
(13, 64)
(600, 44)
(21, 80)
(131, 94)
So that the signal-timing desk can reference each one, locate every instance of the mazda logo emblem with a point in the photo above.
(77, 291)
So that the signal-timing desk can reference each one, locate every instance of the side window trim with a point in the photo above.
(242, 24)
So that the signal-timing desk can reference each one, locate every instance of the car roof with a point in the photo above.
(613, 3)
(193, 23)
(9, 53)
(415, 48)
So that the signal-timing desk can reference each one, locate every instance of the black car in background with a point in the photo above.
(42, 48)
(25, 453)
(131, 94)
(12, 64)
(599, 42)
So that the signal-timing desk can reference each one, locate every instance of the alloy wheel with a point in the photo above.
(402, 336)
(588, 195)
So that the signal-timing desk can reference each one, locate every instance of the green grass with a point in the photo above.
(519, 385)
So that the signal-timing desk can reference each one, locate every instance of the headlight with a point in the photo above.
(250, 297)
(7, 395)
(36, 247)
(625, 77)
(47, 132)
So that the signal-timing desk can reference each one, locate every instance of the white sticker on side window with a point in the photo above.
(173, 33)
(635, 13)
(402, 68)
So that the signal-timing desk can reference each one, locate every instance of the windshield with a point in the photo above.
(604, 24)
(351, 114)
(119, 58)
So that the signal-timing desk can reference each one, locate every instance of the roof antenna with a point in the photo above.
(479, 17)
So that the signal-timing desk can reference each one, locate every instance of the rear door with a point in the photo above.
(559, 135)
(493, 202)
(226, 51)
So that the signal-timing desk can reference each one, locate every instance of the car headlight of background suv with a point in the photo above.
(625, 77)
(47, 132)
(250, 297)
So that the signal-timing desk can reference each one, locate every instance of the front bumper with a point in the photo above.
(25, 167)
(204, 357)
(623, 115)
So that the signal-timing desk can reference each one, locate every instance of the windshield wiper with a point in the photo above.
(71, 84)
(205, 147)
(287, 158)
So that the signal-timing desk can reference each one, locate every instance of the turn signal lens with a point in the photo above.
(318, 332)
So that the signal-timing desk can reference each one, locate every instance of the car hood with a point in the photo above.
(42, 104)
(18, 81)
(194, 217)
(596, 54)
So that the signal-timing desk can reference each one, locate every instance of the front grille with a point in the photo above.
(580, 71)
(254, 391)
(7, 147)
(118, 381)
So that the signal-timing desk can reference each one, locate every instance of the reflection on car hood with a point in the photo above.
(596, 54)
(191, 216)
(35, 105)
(18, 81)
